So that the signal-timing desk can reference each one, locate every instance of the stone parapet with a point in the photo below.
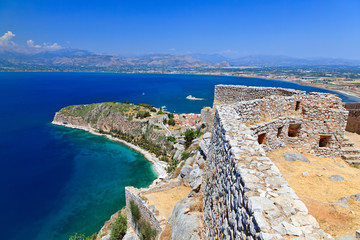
(229, 94)
(313, 123)
(132, 194)
(149, 213)
(245, 196)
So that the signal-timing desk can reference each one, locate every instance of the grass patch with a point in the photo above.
(355, 165)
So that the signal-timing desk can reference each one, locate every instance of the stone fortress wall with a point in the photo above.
(313, 123)
(353, 122)
(149, 213)
(245, 195)
(229, 94)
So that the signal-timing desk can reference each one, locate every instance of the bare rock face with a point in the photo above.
(184, 224)
(130, 236)
(106, 122)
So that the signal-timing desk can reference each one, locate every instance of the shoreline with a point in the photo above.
(158, 166)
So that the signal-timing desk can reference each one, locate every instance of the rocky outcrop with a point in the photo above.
(185, 225)
(117, 119)
(101, 117)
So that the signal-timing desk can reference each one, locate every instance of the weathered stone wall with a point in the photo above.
(245, 196)
(353, 122)
(207, 115)
(268, 108)
(132, 194)
(228, 94)
(148, 212)
(319, 116)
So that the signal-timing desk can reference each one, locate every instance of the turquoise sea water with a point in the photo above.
(56, 181)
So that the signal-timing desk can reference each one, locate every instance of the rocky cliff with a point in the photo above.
(122, 120)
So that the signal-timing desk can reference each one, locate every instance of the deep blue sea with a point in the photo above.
(56, 181)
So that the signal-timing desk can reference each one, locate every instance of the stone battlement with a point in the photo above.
(245, 195)
(313, 123)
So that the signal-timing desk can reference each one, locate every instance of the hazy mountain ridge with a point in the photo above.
(80, 58)
(20, 58)
(263, 60)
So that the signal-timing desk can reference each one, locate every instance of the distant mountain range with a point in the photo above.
(23, 58)
(276, 60)
(80, 59)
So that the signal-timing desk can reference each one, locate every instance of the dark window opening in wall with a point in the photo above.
(261, 138)
(324, 141)
(297, 107)
(294, 130)
(279, 131)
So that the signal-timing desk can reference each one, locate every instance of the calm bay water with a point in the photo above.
(56, 181)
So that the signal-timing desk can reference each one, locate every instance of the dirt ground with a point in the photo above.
(165, 201)
(318, 192)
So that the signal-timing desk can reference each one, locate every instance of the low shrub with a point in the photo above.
(185, 155)
(190, 135)
(119, 228)
(143, 114)
(157, 127)
(164, 159)
(147, 231)
(172, 165)
(171, 138)
(171, 122)
(82, 237)
(135, 212)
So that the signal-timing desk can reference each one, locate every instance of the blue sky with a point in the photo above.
(317, 28)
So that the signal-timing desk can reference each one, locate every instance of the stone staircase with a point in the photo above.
(350, 153)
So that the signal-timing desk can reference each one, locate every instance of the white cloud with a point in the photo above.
(5, 40)
(31, 43)
(53, 46)
(46, 46)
